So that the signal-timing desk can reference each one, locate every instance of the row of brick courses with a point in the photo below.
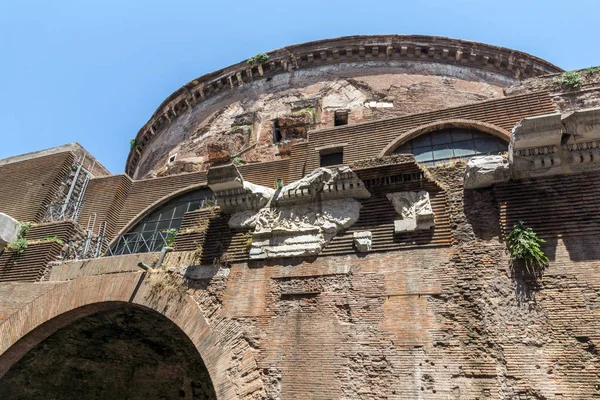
(104, 199)
(29, 186)
(569, 199)
(118, 200)
(31, 264)
(207, 232)
(367, 140)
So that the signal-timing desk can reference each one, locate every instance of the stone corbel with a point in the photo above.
(363, 241)
(414, 209)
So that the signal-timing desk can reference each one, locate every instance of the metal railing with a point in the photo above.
(69, 210)
(140, 242)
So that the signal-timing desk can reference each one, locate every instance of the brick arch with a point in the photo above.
(438, 125)
(71, 300)
(139, 216)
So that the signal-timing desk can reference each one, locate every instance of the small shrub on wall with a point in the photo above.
(524, 246)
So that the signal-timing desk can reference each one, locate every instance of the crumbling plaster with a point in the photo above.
(410, 86)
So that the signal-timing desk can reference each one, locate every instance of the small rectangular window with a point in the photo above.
(276, 131)
(332, 158)
(340, 117)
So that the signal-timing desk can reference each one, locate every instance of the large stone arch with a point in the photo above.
(69, 301)
(449, 123)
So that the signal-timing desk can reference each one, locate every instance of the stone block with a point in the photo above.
(224, 177)
(484, 171)
(543, 130)
(363, 241)
(583, 125)
(9, 230)
(414, 209)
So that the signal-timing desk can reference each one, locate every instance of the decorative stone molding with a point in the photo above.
(415, 210)
(233, 193)
(296, 220)
(9, 230)
(363, 241)
(554, 144)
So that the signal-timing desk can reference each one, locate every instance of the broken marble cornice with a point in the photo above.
(484, 171)
(583, 125)
(553, 144)
(414, 209)
(296, 220)
(233, 193)
(363, 241)
(323, 184)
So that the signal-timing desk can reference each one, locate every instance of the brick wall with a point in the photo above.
(437, 323)
(31, 264)
(28, 186)
(118, 200)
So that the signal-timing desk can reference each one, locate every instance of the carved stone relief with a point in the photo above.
(298, 219)
(414, 209)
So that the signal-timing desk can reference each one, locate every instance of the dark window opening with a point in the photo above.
(336, 158)
(276, 132)
(452, 143)
(340, 118)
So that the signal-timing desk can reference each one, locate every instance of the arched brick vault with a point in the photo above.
(450, 123)
(71, 300)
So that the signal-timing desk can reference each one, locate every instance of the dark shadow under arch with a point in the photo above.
(112, 350)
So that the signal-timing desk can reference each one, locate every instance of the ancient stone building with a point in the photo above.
(324, 221)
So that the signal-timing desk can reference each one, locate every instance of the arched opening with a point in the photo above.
(452, 143)
(120, 352)
(156, 228)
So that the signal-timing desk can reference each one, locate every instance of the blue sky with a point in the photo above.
(94, 71)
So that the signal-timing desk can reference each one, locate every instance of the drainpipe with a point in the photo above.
(162, 255)
(158, 263)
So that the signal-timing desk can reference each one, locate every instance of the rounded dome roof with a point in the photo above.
(350, 49)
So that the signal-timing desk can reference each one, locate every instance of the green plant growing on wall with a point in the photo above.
(25, 227)
(591, 70)
(133, 144)
(170, 236)
(54, 239)
(310, 111)
(569, 80)
(524, 246)
(259, 58)
(19, 245)
(238, 161)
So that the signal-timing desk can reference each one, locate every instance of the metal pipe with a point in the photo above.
(162, 255)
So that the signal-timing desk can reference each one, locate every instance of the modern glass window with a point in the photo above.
(452, 143)
(151, 233)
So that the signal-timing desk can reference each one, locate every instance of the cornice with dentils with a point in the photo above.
(510, 63)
